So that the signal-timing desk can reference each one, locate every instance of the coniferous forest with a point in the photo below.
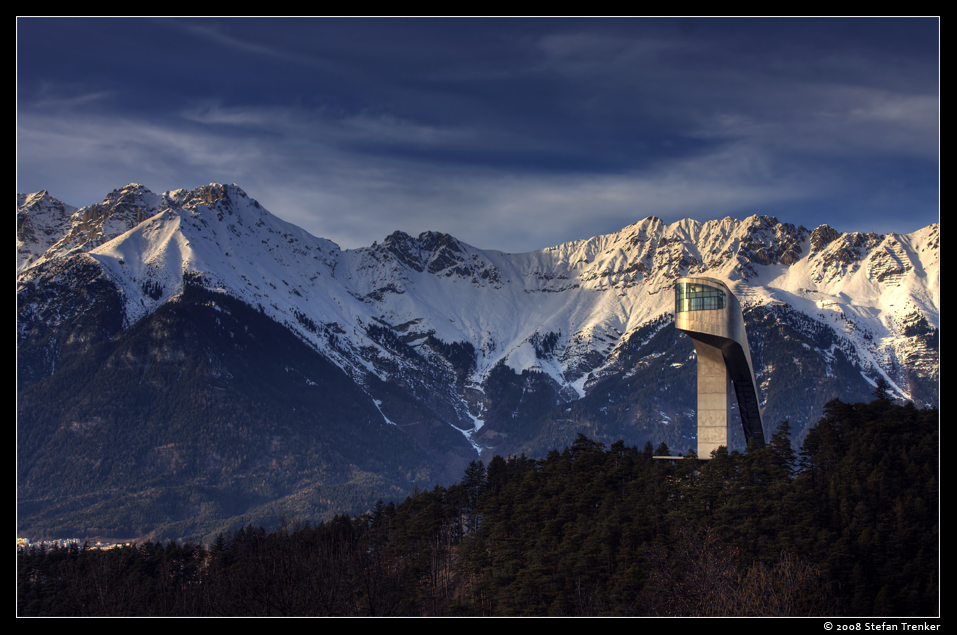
(847, 526)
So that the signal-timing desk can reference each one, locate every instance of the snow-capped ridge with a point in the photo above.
(399, 310)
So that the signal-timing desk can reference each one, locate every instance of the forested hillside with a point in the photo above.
(850, 526)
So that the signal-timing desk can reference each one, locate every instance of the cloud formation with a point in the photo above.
(509, 134)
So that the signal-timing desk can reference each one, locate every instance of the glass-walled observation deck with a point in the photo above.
(698, 297)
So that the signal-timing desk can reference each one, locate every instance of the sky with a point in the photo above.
(510, 134)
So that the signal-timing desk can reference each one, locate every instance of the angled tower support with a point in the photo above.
(710, 314)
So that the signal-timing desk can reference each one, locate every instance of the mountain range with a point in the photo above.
(188, 361)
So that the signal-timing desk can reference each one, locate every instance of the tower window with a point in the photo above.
(698, 297)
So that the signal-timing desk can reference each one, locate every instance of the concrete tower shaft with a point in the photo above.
(711, 315)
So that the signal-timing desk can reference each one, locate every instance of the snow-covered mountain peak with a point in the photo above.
(41, 221)
(396, 309)
(31, 200)
(227, 239)
(89, 227)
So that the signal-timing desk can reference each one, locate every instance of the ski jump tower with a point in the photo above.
(709, 313)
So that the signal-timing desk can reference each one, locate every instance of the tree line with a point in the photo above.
(847, 526)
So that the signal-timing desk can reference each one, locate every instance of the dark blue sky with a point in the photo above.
(510, 134)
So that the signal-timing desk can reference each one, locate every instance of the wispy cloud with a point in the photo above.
(216, 31)
(509, 134)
